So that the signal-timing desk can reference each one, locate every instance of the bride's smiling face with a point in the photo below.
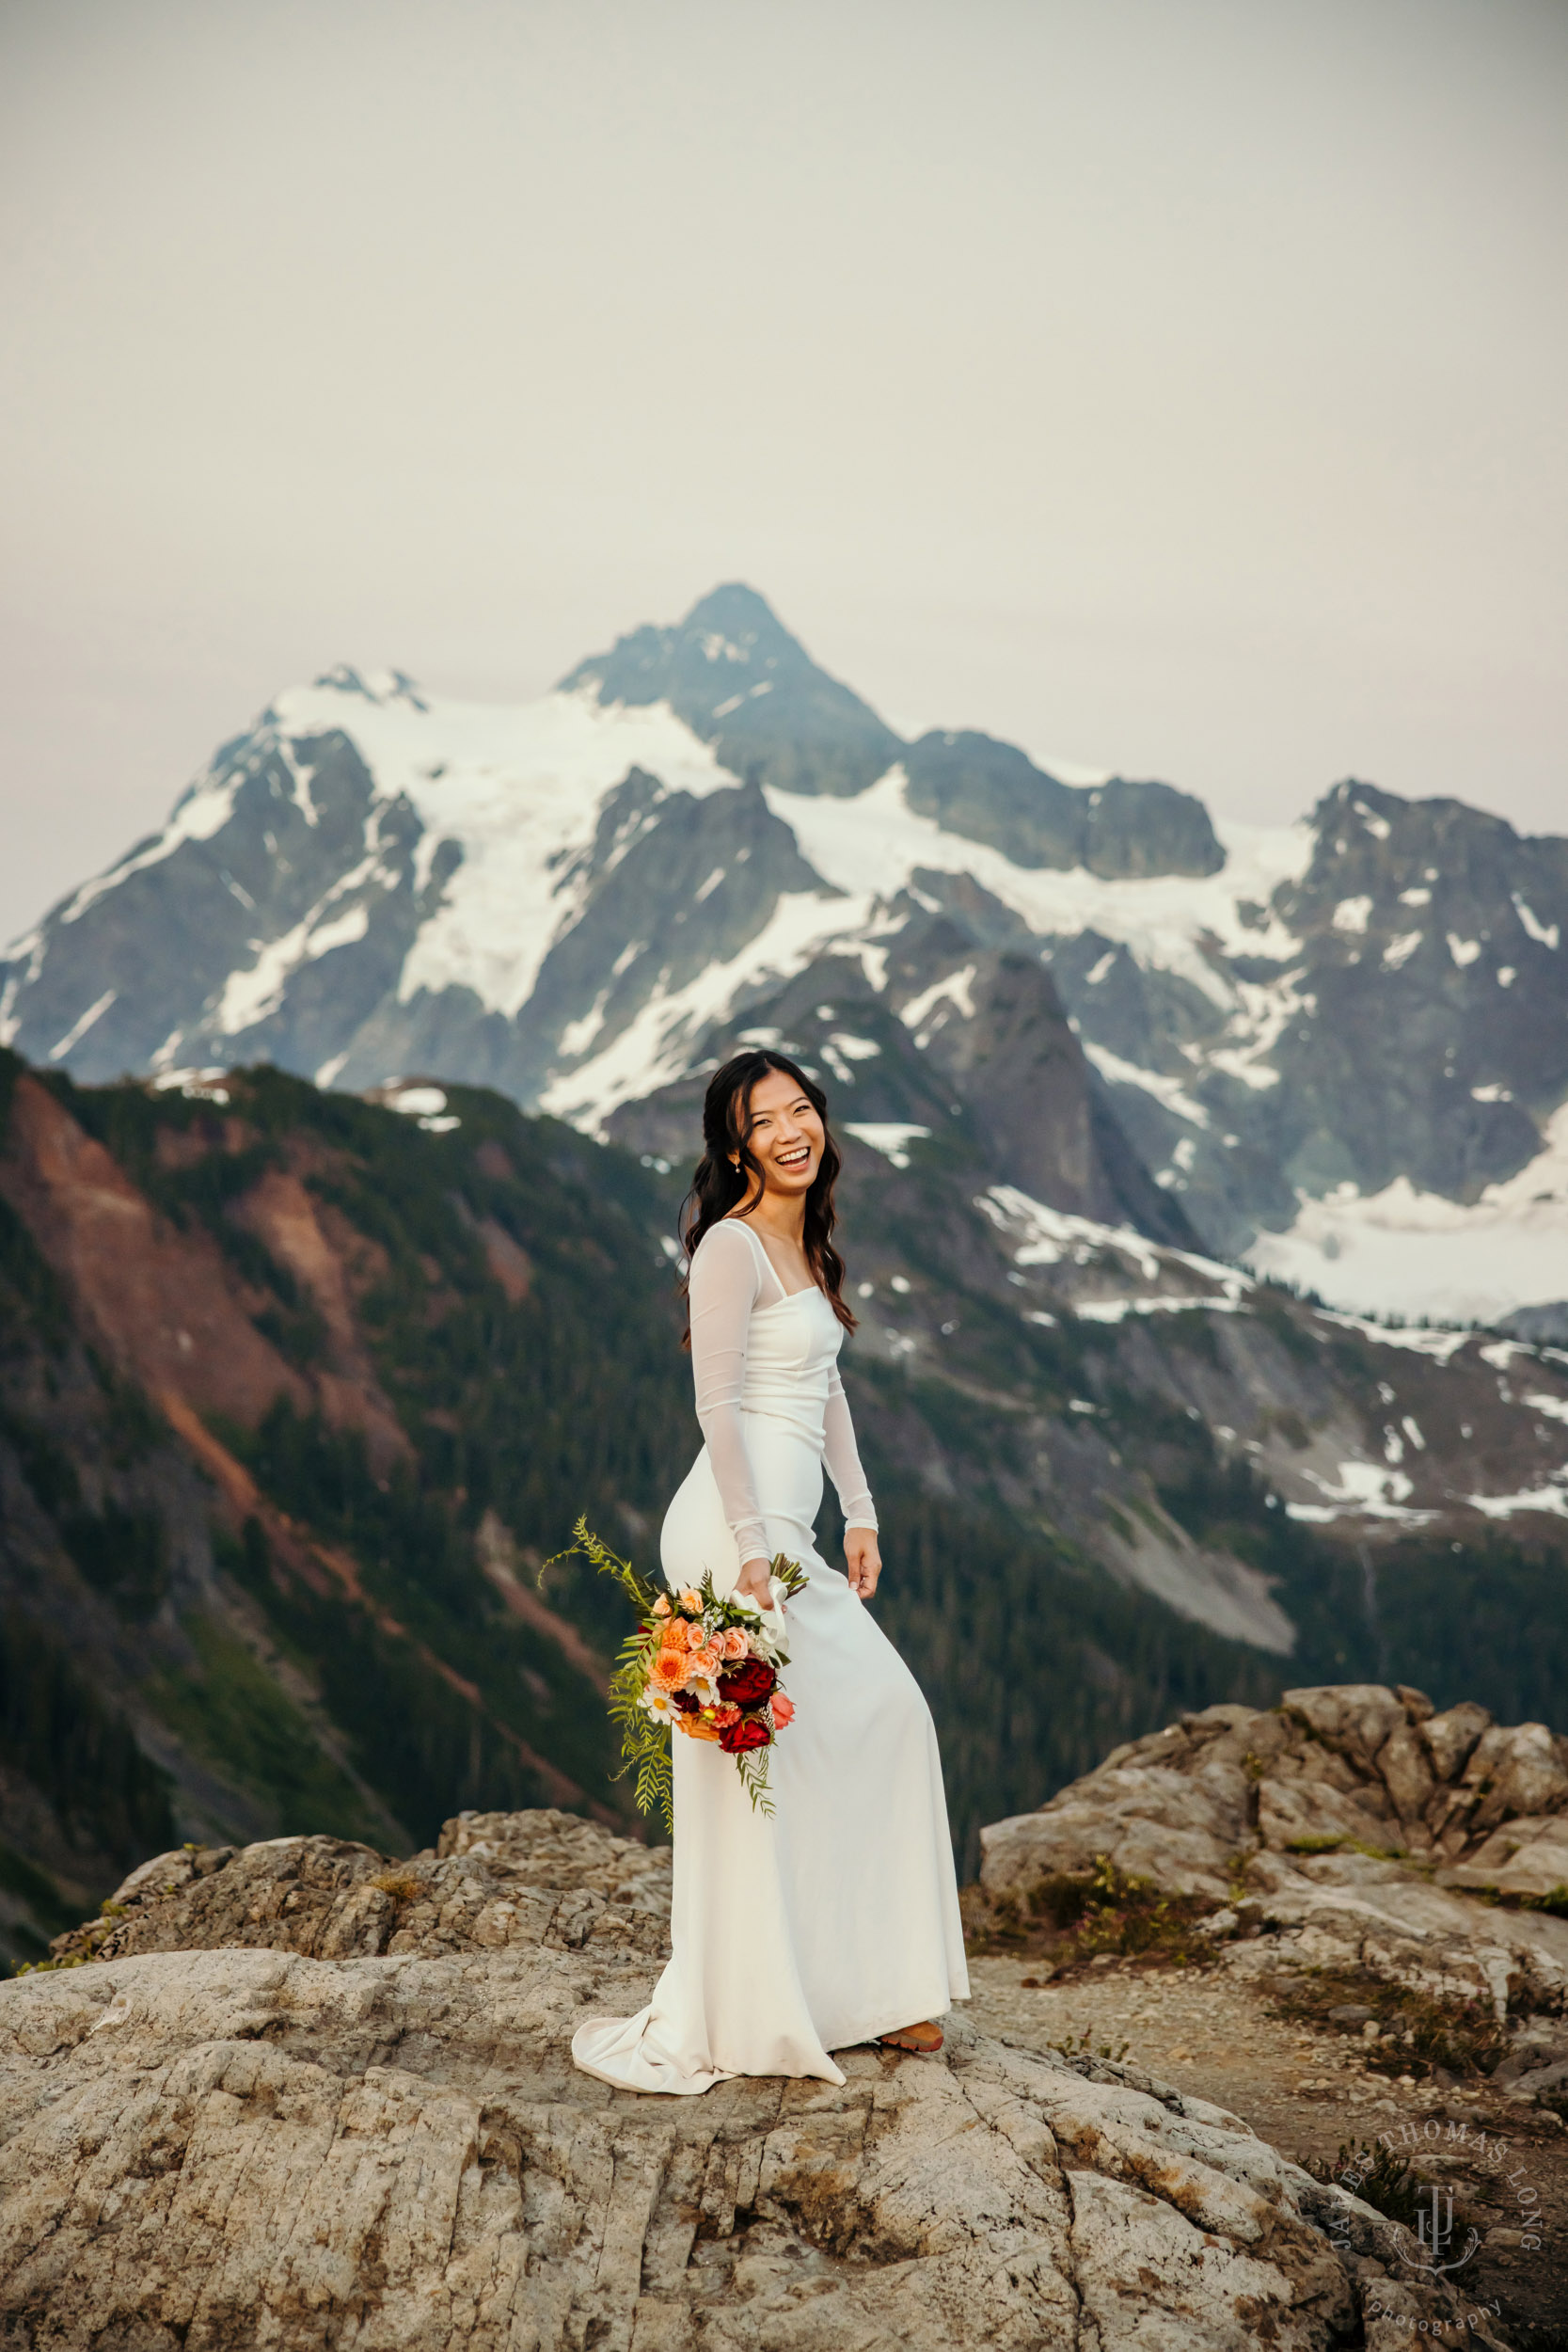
(786, 1135)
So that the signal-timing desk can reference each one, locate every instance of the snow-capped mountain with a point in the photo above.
(1341, 1048)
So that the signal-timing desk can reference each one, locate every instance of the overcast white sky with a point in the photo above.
(1175, 386)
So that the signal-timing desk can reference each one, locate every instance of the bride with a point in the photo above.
(835, 1920)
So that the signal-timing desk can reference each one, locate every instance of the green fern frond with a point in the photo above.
(642, 1593)
(753, 1767)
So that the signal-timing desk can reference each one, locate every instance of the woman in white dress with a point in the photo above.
(834, 1920)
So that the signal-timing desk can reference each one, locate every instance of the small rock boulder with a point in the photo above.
(1298, 1813)
(1449, 1737)
(1405, 1767)
(1524, 1858)
(1352, 1718)
(1514, 1770)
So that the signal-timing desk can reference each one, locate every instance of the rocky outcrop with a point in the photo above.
(1354, 1817)
(1413, 913)
(495, 1880)
(367, 2128)
(286, 841)
(993, 792)
(638, 934)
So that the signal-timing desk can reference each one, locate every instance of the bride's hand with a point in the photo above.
(863, 1561)
(752, 1584)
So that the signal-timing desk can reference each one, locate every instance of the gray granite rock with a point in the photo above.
(1352, 1718)
(1516, 1769)
(1405, 1767)
(1451, 1737)
(1301, 1812)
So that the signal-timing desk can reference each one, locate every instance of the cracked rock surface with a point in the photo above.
(270, 2110)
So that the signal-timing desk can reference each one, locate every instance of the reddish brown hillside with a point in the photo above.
(163, 1305)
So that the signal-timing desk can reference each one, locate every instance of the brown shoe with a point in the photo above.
(922, 2040)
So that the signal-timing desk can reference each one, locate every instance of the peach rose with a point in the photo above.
(783, 1711)
(692, 1601)
(735, 1642)
(661, 1607)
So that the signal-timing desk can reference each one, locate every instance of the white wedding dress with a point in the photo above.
(837, 1918)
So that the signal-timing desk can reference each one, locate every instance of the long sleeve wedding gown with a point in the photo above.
(836, 1919)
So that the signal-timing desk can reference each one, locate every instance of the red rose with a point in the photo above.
(746, 1731)
(747, 1684)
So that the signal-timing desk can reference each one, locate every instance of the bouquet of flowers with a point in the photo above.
(705, 1666)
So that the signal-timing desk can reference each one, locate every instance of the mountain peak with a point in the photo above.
(729, 630)
(742, 683)
(373, 686)
(735, 626)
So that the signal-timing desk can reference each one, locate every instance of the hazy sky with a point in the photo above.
(1176, 386)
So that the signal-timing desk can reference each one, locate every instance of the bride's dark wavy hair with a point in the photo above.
(718, 1186)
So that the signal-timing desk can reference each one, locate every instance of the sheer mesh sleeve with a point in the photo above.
(842, 1455)
(723, 1290)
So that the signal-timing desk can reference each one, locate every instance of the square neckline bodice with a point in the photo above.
(785, 1297)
